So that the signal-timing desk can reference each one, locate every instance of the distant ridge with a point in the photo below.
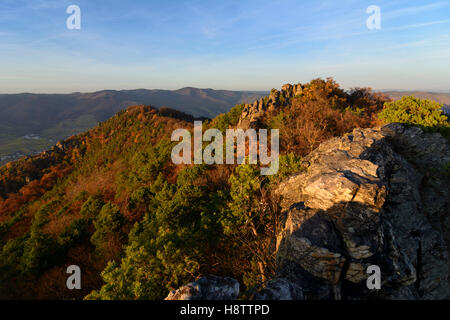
(48, 118)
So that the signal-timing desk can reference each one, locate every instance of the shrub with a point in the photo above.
(41, 251)
(73, 233)
(289, 164)
(247, 224)
(41, 217)
(91, 208)
(10, 256)
(6, 225)
(229, 119)
(413, 111)
(108, 222)
(139, 199)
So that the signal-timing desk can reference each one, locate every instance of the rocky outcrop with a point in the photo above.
(375, 197)
(251, 113)
(207, 288)
(280, 289)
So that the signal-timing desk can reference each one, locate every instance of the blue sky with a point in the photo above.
(237, 45)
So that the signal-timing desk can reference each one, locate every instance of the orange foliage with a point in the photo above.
(307, 124)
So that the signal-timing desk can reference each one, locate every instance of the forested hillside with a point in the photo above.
(112, 202)
(31, 123)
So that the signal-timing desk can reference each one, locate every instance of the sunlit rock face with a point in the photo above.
(251, 113)
(373, 197)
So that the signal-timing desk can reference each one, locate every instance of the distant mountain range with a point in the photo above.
(30, 123)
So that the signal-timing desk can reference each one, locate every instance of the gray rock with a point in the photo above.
(251, 113)
(207, 288)
(372, 197)
(280, 289)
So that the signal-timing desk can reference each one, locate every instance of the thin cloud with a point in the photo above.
(415, 10)
(48, 4)
(425, 24)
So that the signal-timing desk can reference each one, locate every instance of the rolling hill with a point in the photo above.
(115, 186)
(112, 201)
(31, 123)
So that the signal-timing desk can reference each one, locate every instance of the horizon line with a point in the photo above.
(231, 90)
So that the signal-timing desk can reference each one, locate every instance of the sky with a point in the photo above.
(226, 44)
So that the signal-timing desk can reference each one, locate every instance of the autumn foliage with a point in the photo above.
(111, 201)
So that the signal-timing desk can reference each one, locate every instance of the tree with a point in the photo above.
(229, 119)
(247, 222)
(92, 207)
(40, 252)
(108, 224)
(167, 247)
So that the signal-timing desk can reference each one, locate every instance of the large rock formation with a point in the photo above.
(374, 197)
(251, 113)
(377, 196)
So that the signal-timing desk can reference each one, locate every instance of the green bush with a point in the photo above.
(41, 218)
(11, 254)
(6, 225)
(147, 164)
(278, 121)
(229, 119)
(91, 208)
(289, 164)
(41, 251)
(140, 200)
(413, 111)
(166, 248)
(76, 231)
(108, 222)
